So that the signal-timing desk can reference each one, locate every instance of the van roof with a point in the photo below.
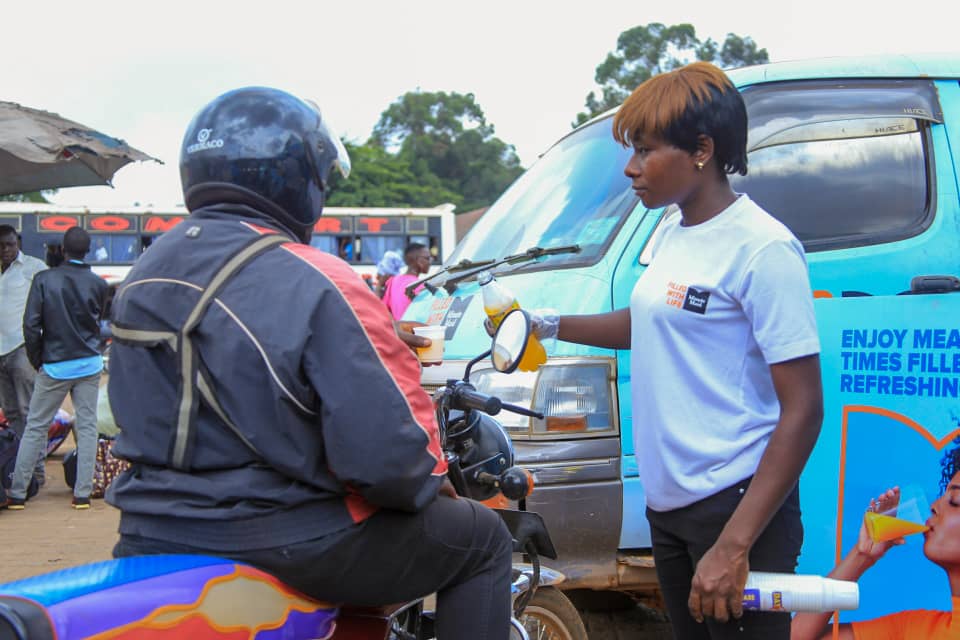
(919, 65)
(878, 66)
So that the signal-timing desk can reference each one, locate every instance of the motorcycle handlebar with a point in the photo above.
(522, 411)
(465, 398)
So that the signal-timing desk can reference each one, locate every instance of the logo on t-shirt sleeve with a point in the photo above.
(696, 300)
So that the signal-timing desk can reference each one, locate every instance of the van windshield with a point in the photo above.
(575, 194)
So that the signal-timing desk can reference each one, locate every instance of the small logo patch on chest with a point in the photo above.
(696, 300)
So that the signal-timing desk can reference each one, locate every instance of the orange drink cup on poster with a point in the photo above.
(903, 519)
(433, 353)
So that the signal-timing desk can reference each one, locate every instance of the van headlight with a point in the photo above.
(576, 396)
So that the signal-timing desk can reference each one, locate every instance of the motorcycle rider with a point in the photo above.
(269, 409)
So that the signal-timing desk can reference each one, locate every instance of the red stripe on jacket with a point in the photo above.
(394, 355)
(359, 508)
(264, 231)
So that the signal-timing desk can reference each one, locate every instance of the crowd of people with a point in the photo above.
(50, 340)
(248, 419)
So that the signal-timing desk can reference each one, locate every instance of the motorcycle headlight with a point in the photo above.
(576, 396)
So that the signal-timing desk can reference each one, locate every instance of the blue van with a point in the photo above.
(859, 157)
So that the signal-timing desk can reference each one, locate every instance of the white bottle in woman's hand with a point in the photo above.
(790, 592)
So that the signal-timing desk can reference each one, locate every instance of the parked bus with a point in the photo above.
(359, 235)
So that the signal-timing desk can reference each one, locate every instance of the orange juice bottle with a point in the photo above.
(498, 301)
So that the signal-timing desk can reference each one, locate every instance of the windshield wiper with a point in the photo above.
(450, 284)
(459, 266)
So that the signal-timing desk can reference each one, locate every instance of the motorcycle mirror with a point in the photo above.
(510, 341)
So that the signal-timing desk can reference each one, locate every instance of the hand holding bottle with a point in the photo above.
(544, 324)
(498, 301)
(789, 592)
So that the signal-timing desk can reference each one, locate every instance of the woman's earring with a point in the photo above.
(699, 165)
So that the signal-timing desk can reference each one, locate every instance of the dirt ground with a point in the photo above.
(49, 534)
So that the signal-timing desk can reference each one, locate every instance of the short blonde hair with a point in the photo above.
(683, 104)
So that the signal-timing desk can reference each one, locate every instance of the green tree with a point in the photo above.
(416, 118)
(446, 135)
(32, 196)
(481, 169)
(646, 50)
(382, 179)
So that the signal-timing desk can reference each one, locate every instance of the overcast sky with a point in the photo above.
(139, 71)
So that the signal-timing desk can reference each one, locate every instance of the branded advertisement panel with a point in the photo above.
(891, 375)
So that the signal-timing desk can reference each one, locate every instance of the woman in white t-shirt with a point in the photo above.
(727, 401)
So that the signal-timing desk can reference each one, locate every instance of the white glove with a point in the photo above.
(544, 324)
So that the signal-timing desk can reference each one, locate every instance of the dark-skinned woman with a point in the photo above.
(727, 399)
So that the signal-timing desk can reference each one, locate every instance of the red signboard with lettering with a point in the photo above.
(57, 223)
(111, 223)
(385, 224)
(334, 224)
(159, 224)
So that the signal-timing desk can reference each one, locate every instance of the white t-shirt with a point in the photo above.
(15, 285)
(719, 303)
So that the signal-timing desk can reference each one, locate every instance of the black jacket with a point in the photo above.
(61, 320)
(302, 414)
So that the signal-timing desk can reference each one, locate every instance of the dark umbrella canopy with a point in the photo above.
(41, 150)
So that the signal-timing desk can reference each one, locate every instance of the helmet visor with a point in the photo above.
(327, 131)
(342, 161)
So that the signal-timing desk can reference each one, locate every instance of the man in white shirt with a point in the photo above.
(100, 255)
(16, 373)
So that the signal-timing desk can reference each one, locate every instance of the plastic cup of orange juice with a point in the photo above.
(906, 517)
(433, 353)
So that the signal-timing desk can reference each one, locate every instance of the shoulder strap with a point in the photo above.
(192, 384)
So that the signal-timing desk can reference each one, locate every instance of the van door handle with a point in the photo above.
(934, 284)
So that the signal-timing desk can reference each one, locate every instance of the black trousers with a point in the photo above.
(457, 548)
(682, 536)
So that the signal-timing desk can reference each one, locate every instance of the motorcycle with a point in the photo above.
(182, 596)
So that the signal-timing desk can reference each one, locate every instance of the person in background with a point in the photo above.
(276, 416)
(100, 255)
(724, 357)
(941, 546)
(345, 248)
(417, 258)
(54, 254)
(390, 265)
(61, 330)
(17, 271)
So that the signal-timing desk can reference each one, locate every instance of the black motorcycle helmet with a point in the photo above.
(263, 147)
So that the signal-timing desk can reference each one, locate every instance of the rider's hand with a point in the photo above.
(717, 587)
(446, 489)
(409, 338)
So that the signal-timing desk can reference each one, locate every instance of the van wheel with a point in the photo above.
(551, 616)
